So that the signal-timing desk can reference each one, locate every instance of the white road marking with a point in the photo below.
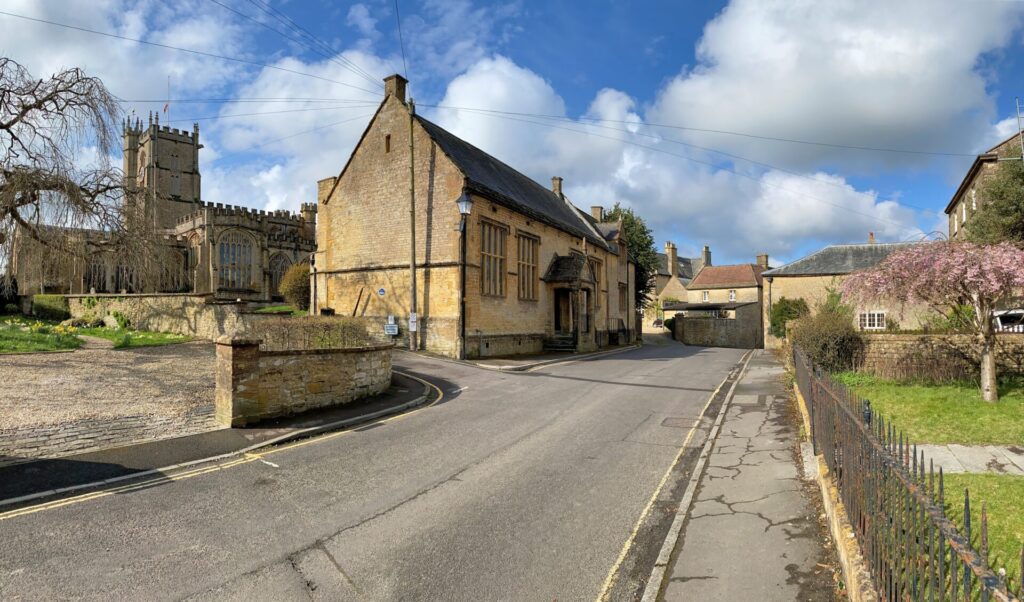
(268, 463)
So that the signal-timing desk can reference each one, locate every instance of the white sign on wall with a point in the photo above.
(412, 322)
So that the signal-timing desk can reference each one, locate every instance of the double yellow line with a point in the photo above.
(195, 472)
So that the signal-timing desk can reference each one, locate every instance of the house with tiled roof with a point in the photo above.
(812, 277)
(503, 265)
(673, 276)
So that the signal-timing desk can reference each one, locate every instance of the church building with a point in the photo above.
(229, 251)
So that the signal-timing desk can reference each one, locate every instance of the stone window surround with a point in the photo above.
(872, 319)
(493, 260)
(528, 271)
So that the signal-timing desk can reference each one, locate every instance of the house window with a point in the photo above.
(704, 296)
(492, 259)
(872, 320)
(387, 143)
(963, 215)
(585, 310)
(732, 295)
(623, 297)
(595, 266)
(956, 223)
(529, 249)
(974, 200)
(235, 252)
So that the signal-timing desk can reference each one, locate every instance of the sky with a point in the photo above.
(749, 126)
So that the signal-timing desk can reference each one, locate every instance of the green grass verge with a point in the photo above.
(946, 413)
(22, 335)
(1004, 499)
(281, 310)
(130, 339)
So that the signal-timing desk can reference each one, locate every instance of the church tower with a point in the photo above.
(164, 163)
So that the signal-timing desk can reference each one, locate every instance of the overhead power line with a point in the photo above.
(188, 50)
(401, 41)
(302, 133)
(325, 49)
(695, 160)
(251, 99)
(295, 40)
(718, 131)
(269, 113)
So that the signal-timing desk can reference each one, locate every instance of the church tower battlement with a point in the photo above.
(163, 162)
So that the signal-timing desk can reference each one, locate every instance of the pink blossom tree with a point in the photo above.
(947, 276)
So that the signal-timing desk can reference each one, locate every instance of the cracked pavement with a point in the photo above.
(753, 531)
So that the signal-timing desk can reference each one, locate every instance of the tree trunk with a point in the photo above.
(989, 389)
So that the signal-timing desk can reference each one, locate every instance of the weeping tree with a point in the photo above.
(949, 276)
(62, 201)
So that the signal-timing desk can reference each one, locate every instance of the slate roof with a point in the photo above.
(686, 267)
(728, 276)
(568, 268)
(490, 177)
(839, 259)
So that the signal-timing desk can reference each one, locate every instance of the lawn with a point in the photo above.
(1002, 495)
(128, 339)
(281, 310)
(946, 413)
(21, 335)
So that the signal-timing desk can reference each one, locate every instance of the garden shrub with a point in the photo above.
(785, 310)
(50, 307)
(12, 309)
(828, 336)
(295, 286)
(122, 320)
(670, 323)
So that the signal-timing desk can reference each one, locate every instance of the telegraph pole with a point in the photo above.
(413, 326)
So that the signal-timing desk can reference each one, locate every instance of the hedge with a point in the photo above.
(50, 307)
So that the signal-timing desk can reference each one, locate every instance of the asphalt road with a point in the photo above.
(516, 486)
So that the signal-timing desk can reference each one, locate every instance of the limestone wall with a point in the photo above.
(935, 357)
(198, 316)
(742, 330)
(254, 385)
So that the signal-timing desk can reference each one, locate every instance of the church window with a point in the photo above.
(235, 253)
(279, 264)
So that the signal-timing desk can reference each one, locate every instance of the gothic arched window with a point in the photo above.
(235, 253)
(279, 264)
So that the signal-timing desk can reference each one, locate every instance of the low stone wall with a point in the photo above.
(254, 385)
(198, 316)
(935, 357)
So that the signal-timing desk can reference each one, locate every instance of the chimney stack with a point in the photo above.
(762, 260)
(394, 85)
(597, 212)
(556, 185)
(705, 256)
(672, 259)
(871, 238)
(323, 188)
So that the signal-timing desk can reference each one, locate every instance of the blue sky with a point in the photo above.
(938, 77)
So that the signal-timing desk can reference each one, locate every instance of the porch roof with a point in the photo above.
(570, 268)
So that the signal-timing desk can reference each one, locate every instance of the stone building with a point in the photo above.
(970, 194)
(673, 276)
(526, 270)
(722, 306)
(811, 278)
(229, 251)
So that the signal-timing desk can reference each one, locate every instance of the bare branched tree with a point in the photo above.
(58, 186)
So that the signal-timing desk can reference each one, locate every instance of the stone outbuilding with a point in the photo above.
(524, 270)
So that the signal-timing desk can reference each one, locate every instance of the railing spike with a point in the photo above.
(913, 466)
(942, 493)
(931, 479)
(984, 535)
(967, 516)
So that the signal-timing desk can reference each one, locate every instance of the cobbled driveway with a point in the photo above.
(53, 404)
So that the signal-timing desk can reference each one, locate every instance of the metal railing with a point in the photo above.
(896, 504)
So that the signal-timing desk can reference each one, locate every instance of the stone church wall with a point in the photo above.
(191, 315)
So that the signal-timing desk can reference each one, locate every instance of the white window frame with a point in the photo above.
(732, 294)
(974, 199)
(871, 320)
(963, 212)
(705, 296)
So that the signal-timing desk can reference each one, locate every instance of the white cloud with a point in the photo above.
(866, 73)
(360, 18)
(451, 35)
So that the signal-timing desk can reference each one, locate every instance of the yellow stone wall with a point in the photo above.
(814, 290)
(721, 295)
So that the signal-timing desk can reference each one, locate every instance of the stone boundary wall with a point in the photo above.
(743, 331)
(935, 357)
(254, 385)
(198, 316)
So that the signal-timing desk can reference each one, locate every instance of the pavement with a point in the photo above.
(544, 485)
(994, 459)
(753, 531)
(521, 363)
(73, 473)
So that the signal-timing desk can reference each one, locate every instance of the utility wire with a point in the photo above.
(725, 132)
(269, 113)
(252, 99)
(189, 50)
(302, 133)
(709, 163)
(293, 39)
(401, 41)
(739, 157)
(288, 22)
